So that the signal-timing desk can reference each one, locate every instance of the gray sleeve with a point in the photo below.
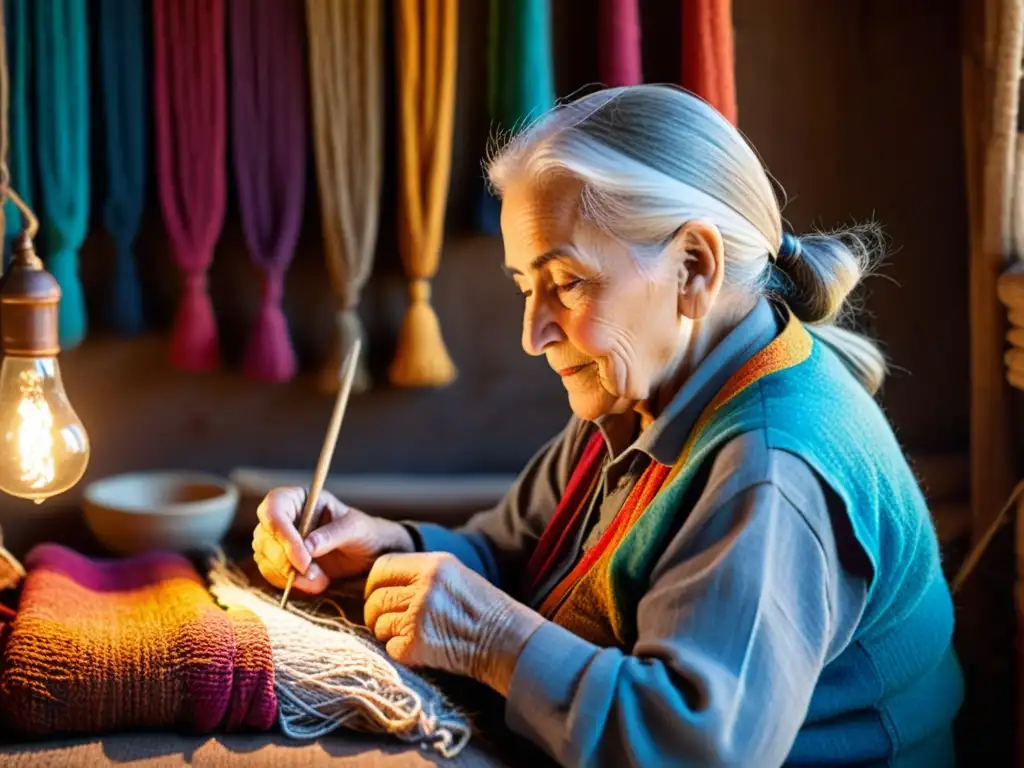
(499, 541)
(744, 608)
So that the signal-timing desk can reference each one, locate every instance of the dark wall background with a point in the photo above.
(854, 105)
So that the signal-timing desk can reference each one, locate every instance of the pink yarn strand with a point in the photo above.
(621, 61)
(189, 105)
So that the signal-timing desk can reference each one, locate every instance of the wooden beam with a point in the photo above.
(990, 81)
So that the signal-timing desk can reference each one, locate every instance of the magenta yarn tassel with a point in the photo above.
(620, 63)
(270, 356)
(270, 129)
(191, 126)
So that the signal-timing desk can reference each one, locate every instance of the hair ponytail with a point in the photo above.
(816, 279)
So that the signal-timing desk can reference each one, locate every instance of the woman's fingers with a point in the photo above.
(313, 582)
(393, 630)
(389, 625)
(274, 564)
(336, 535)
(399, 648)
(278, 513)
(399, 570)
(381, 602)
(272, 551)
(270, 573)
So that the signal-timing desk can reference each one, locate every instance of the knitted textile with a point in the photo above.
(99, 645)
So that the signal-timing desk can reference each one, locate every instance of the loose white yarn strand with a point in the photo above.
(328, 673)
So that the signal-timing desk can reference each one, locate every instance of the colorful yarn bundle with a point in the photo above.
(619, 43)
(100, 645)
(521, 83)
(62, 146)
(427, 52)
(191, 126)
(123, 69)
(269, 140)
(345, 64)
(47, 41)
(709, 61)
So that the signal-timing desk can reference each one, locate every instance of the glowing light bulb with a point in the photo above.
(44, 449)
(43, 446)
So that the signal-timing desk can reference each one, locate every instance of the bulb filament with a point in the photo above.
(35, 434)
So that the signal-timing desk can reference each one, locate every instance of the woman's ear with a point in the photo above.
(699, 256)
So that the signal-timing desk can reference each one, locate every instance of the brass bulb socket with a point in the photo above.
(29, 299)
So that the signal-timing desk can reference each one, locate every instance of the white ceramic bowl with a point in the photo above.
(144, 511)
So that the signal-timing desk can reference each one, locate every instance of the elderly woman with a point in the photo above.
(723, 558)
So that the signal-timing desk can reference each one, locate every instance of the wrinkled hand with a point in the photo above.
(432, 611)
(344, 544)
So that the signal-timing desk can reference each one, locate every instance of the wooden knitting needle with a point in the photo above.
(309, 513)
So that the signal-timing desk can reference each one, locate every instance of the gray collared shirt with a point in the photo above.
(753, 596)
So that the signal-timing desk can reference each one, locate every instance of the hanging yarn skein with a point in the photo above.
(330, 674)
(709, 61)
(18, 42)
(123, 75)
(619, 36)
(520, 78)
(62, 150)
(270, 121)
(191, 126)
(345, 64)
(5, 91)
(427, 45)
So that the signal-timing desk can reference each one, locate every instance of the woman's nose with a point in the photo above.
(539, 327)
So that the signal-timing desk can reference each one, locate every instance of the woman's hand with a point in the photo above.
(345, 543)
(432, 611)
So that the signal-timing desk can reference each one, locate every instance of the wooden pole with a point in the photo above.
(991, 67)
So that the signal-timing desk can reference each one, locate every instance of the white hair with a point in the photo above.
(651, 157)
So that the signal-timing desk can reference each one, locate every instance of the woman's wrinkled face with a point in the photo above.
(610, 330)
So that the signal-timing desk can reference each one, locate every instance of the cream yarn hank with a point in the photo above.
(346, 69)
(329, 673)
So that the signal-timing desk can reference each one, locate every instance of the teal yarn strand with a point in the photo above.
(62, 150)
(19, 160)
(520, 78)
(526, 79)
(123, 73)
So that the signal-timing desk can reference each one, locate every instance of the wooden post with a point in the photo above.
(991, 67)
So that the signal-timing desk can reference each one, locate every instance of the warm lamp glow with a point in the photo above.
(44, 449)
